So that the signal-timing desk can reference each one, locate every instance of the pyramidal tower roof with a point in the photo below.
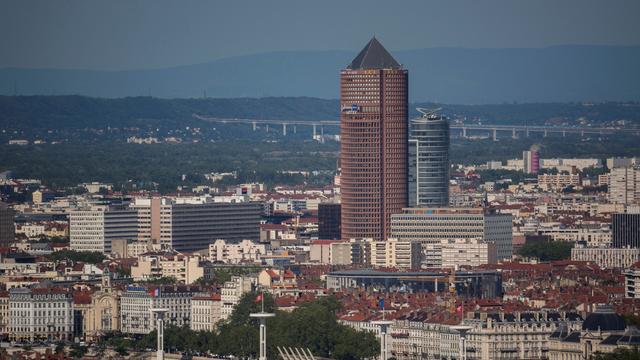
(374, 56)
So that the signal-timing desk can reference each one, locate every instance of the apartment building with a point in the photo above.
(40, 313)
(206, 312)
(186, 269)
(467, 252)
(229, 253)
(137, 300)
(624, 185)
(395, 254)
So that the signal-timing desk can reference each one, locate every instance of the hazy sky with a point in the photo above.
(132, 34)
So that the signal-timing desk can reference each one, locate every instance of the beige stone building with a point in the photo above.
(602, 332)
(206, 312)
(232, 291)
(99, 311)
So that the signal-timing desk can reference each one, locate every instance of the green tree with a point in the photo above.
(547, 251)
(91, 257)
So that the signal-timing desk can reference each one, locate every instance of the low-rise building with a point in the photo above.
(277, 279)
(606, 257)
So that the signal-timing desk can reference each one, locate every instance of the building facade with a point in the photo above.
(429, 161)
(232, 291)
(206, 311)
(329, 221)
(242, 252)
(194, 223)
(467, 252)
(136, 302)
(431, 226)
(625, 230)
(94, 229)
(606, 257)
(7, 227)
(624, 185)
(531, 161)
(40, 313)
(373, 146)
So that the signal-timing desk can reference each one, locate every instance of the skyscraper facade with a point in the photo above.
(373, 128)
(429, 160)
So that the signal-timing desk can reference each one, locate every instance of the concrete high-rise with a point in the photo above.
(531, 161)
(625, 230)
(7, 225)
(429, 160)
(373, 153)
(329, 221)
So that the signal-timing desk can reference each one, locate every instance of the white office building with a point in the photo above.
(430, 226)
(93, 229)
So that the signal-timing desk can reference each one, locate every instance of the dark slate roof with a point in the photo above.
(611, 340)
(561, 332)
(630, 337)
(573, 337)
(374, 56)
(604, 319)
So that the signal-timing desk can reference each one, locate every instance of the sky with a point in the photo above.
(143, 34)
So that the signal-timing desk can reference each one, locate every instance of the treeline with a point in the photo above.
(132, 166)
(313, 325)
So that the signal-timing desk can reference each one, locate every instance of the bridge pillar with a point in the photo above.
(545, 133)
(254, 125)
(464, 132)
(527, 132)
(495, 135)
(314, 131)
(295, 129)
(513, 134)
(322, 134)
(267, 127)
(284, 129)
(582, 133)
(564, 133)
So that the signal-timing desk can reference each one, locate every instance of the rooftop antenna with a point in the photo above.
(426, 112)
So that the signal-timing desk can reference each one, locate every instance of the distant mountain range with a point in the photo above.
(443, 75)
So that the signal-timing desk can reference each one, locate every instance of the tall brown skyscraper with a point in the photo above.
(373, 153)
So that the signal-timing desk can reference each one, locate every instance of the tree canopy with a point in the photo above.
(547, 251)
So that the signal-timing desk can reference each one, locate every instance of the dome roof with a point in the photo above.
(604, 319)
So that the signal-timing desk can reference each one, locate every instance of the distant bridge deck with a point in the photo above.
(463, 128)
